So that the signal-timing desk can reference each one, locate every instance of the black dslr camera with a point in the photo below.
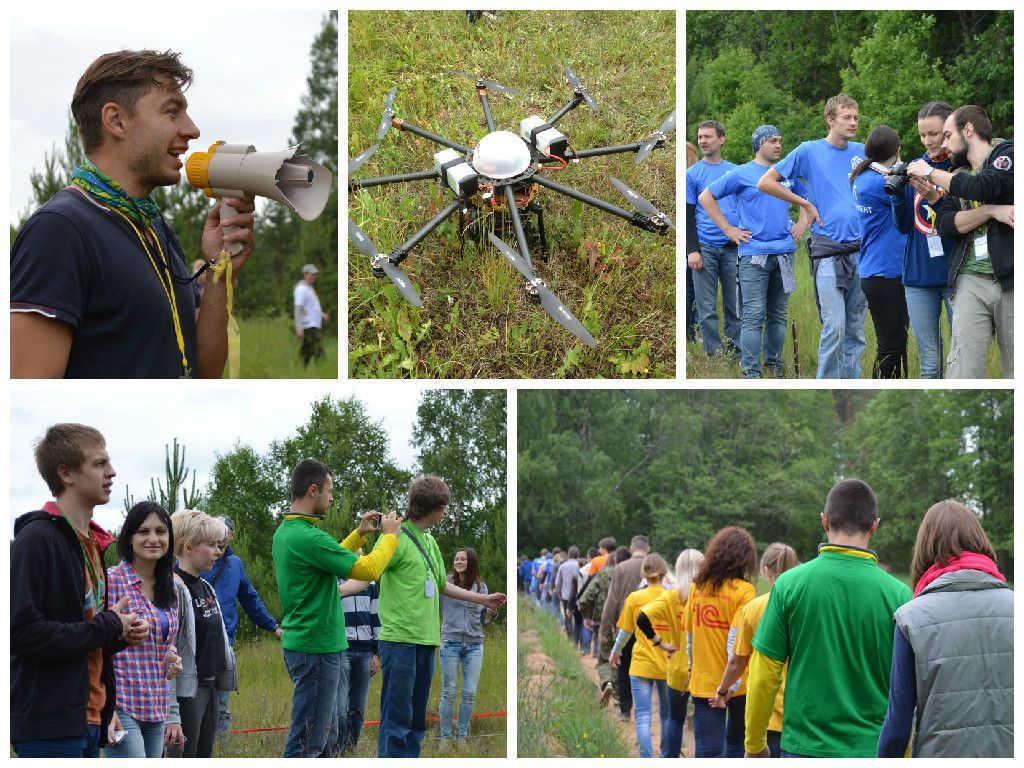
(896, 179)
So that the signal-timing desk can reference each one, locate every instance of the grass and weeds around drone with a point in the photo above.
(476, 321)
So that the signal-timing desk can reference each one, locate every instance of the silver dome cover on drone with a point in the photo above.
(501, 155)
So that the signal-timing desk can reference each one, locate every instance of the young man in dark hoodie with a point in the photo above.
(63, 632)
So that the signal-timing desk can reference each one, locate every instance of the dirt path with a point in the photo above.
(628, 728)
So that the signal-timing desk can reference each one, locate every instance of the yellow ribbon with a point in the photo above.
(223, 267)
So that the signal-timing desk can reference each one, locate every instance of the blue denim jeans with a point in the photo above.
(223, 712)
(842, 323)
(719, 732)
(642, 688)
(719, 267)
(353, 692)
(676, 722)
(314, 700)
(406, 672)
(141, 739)
(774, 739)
(764, 315)
(87, 745)
(925, 308)
(470, 658)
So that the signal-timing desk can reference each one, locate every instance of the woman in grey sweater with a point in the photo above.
(462, 645)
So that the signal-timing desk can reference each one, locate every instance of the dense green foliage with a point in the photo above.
(746, 68)
(283, 242)
(679, 465)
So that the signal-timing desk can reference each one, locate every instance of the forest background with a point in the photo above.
(747, 68)
(679, 465)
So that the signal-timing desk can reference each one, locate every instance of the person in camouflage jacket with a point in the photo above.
(591, 605)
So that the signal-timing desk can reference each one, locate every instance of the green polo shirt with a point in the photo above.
(308, 563)
(407, 614)
(833, 619)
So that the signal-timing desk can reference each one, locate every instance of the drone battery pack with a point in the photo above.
(457, 174)
(548, 139)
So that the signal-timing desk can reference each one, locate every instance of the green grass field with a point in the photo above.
(557, 711)
(475, 320)
(804, 312)
(265, 696)
(270, 350)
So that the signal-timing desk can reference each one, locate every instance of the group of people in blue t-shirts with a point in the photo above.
(894, 239)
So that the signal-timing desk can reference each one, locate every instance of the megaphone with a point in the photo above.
(238, 170)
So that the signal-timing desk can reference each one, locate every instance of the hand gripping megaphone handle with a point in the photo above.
(226, 212)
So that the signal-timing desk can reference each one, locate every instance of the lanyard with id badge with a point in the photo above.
(430, 582)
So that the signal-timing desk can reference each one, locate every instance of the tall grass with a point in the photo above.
(264, 701)
(476, 320)
(559, 715)
(270, 350)
(804, 312)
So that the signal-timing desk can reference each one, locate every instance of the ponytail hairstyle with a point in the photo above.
(779, 558)
(654, 565)
(883, 142)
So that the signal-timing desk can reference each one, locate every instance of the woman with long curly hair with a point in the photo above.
(776, 560)
(722, 586)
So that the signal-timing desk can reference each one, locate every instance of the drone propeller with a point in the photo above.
(383, 262)
(551, 303)
(385, 118)
(362, 157)
(571, 79)
(488, 84)
(667, 126)
(642, 204)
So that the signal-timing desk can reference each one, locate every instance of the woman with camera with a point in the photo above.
(881, 251)
(925, 258)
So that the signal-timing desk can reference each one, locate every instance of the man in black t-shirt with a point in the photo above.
(99, 283)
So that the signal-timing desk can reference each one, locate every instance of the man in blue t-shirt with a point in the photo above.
(710, 254)
(766, 239)
(825, 166)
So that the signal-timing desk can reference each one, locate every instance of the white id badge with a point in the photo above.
(934, 247)
(428, 589)
(981, 247)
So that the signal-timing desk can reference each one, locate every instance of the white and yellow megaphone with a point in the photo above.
(238, 170)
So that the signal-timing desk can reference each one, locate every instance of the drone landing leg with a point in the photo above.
(537, 208)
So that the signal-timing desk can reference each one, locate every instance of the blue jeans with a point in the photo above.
(764, 315)
(406, 672)
(774, 739)
(642, 688)
(87, 745)
(842, 323)
(719, 732)
(793, 754)
(719, 267)
(676, 721)
(314, 699)
(223, 712)
(353, 692)
(925, 308)
(141, 739)
(470, 657)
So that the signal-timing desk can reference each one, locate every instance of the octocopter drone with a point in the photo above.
(494, 186)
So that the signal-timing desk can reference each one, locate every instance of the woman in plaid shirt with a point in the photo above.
(142, 672)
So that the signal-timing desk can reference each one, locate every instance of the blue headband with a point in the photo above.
(762, 134)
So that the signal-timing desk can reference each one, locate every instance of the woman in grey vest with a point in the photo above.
(952, 647)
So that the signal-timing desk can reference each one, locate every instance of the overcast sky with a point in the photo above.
(250, 71)
(138, 420)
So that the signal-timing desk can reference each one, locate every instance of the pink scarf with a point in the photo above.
(968, 561)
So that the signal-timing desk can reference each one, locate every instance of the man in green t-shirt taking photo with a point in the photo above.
(410, 619)
(832, 618)
(308, 563)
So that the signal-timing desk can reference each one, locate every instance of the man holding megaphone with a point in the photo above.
(99, 283)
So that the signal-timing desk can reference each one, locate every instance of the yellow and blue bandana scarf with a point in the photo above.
(141, 210)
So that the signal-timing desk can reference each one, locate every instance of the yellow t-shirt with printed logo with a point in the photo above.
(747, 620)
(708, 618)
(648, 661)
(667, 611)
